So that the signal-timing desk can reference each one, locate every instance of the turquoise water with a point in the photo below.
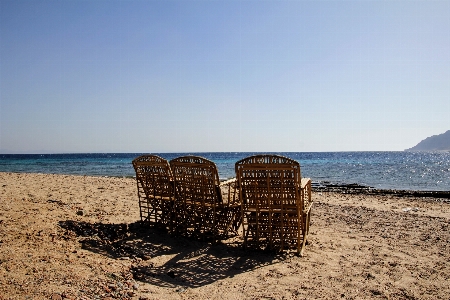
(422, 171)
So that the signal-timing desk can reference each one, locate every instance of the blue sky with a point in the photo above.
(200, 76)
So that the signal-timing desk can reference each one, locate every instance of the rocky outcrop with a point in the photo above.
(354, 188)
(433, 143)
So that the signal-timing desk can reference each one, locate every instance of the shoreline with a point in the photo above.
(320, 186)
(79, 237)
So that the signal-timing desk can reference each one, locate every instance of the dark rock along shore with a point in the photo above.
(355, 188)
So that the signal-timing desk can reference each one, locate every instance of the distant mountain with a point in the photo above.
(435, 142)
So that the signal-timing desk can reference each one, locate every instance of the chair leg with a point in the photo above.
(305, 230)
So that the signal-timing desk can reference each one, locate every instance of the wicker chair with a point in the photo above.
(202, 210)
(155, 190)
(276, 202)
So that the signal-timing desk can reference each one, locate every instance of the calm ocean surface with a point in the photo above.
(422, 171)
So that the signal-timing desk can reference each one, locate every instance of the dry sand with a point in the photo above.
(75, 237)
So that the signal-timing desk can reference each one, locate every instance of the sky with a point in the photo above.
(220, 76)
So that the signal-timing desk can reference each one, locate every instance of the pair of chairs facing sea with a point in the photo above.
(268, 198)
(185, 196)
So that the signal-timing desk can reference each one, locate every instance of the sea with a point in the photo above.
(402, 170)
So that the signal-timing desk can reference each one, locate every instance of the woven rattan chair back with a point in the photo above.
(270, 189)
(198, 195)
(155, 190)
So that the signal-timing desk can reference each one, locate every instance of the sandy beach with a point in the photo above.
(78, 237)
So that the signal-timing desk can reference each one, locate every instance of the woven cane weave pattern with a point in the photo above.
(272, 202)
(155, 190)
(199, 199)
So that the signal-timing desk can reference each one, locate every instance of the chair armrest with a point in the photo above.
(232, 194)
(305, 182)
(228, 182)
(305, 189)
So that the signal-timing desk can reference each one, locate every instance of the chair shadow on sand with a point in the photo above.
(190, 263)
